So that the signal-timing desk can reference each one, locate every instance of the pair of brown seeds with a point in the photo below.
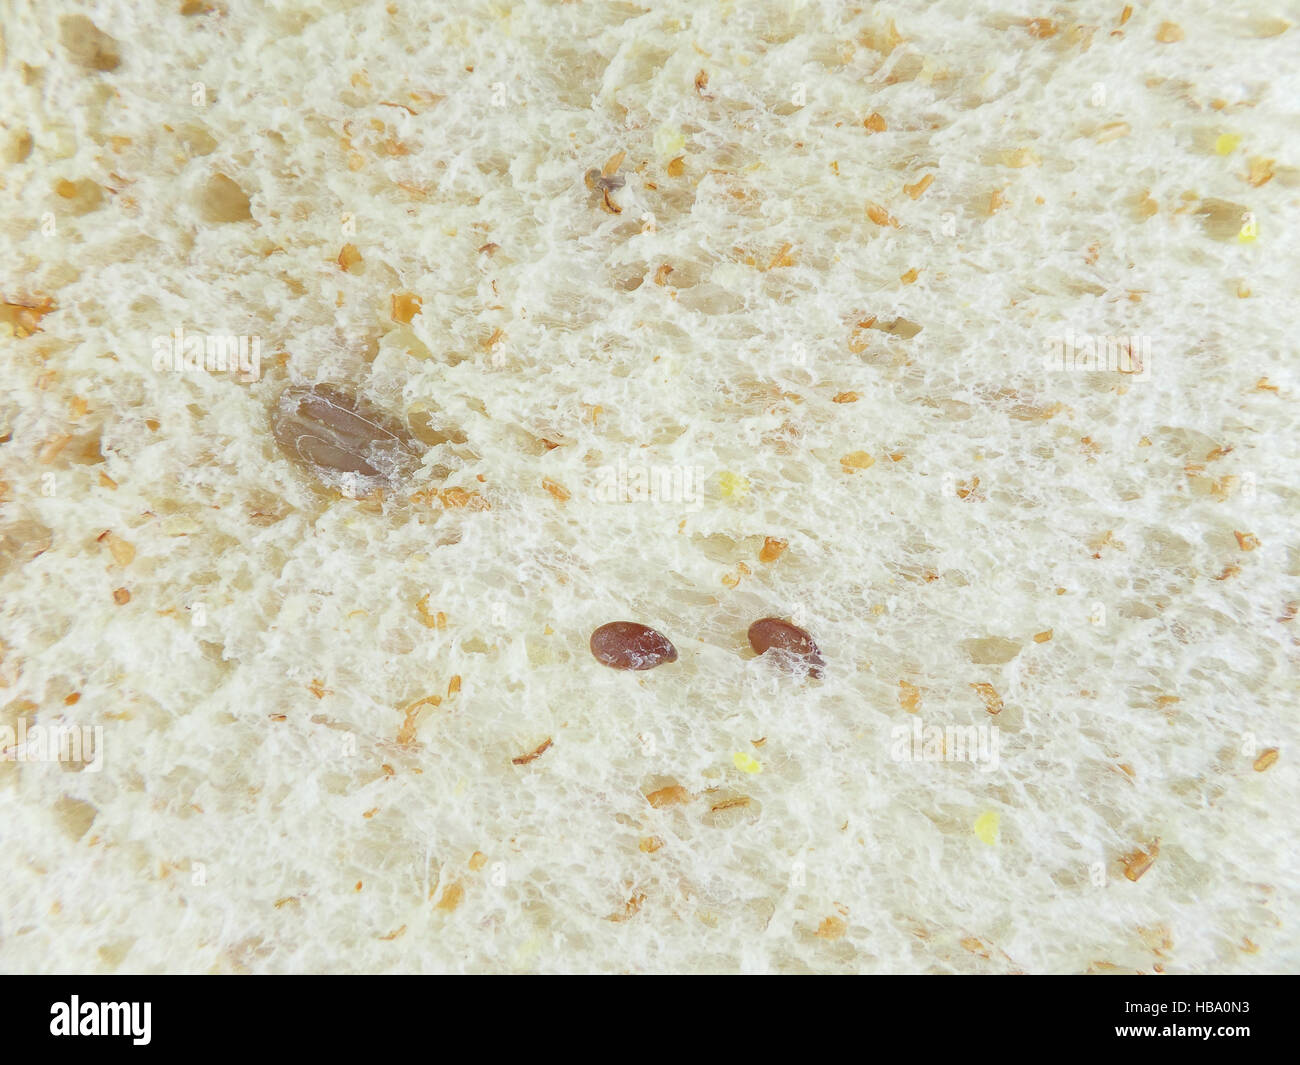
(631, 645)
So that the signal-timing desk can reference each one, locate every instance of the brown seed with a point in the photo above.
(340, 438)
(789, 641)
(629, 645)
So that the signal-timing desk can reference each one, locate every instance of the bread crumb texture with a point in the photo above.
(963, 338)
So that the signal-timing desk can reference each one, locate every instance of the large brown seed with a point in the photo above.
(340, 438)
(629, 645)
(789, 641)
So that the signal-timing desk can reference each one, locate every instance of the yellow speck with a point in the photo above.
(669, 141)
(746, 764)
(733, 485)
(986, 827)
(1226, 143)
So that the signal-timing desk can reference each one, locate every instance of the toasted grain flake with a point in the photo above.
(832, 928)
(1126, 14)
(857, 460)
(845, 397)
(919, 187)
(882, 39)
(674, 795)
(1221, 487)
(428, 618)
(122, 551)
(630, 908)
(106, 480)
(524, 759)
(676, 167)
(318, 689)
(880, 216)
(701, 81)
(50, 449)
(1169, 33)
(1042, 28)
(1246, 541)
(453, 686)
(650, 844)
(1266, 758)
(909, 277)
(25, 314)
(1112, 131)
(456, 498)
(992, 700)
(411, 722)
(996, 201)
(1137, 862)
(909, 696)
(782, 257)
(121, 596)
(406, 305)
(731, 804)
(875, 122)
(349, 257)
(452, 896)
(610, 169)
(772, 549)
(1261, 172)
(1019, 158)
(1043, 637)
(557, 490)
(477, 861)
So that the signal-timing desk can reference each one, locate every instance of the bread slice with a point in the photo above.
(960, 340)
